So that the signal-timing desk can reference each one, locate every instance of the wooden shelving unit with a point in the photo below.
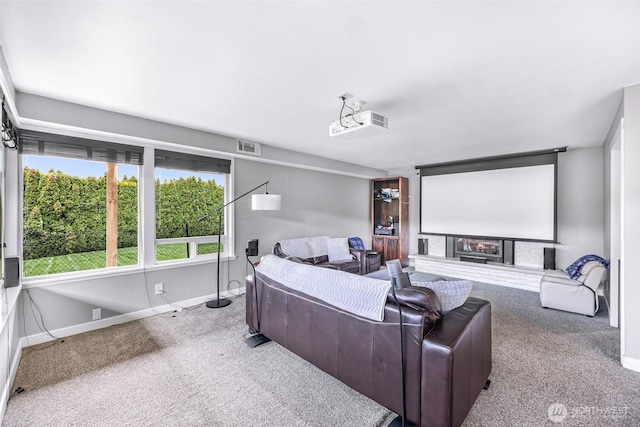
(390, 218)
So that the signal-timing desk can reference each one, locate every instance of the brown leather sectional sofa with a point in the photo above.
(447, 357)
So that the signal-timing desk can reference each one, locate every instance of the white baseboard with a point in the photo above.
(631, 363)
(115, 320)
(6, 390)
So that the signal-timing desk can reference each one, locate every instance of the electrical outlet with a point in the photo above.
(159, 288)
(97, 314)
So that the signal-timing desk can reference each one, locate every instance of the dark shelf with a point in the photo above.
(390, 246)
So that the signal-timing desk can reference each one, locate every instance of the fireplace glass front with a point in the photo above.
(485, 248)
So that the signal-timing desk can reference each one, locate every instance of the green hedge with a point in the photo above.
(65, 214)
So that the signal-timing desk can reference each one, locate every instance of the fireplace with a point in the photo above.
(489, 249)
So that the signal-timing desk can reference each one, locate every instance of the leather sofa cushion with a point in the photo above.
(348, 266)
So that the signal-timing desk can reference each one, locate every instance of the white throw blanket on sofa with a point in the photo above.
(362, 296)
(305, 247)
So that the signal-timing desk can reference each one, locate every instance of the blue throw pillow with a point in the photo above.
(356, 243)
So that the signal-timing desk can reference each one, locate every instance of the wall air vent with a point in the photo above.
(248, 147)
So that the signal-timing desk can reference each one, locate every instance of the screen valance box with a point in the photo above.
(46, 144)
(513, 196)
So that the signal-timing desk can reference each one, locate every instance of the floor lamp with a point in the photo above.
(259, 202)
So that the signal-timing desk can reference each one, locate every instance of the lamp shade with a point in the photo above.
(265, 202)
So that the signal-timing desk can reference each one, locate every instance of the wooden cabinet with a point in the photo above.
(390, 218)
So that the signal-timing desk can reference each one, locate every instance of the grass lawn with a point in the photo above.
(97, 259)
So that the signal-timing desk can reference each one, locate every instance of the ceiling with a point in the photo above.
(457, 79)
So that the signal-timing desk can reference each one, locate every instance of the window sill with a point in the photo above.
(164, 265)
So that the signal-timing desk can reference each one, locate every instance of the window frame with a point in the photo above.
(106, 271)
(146, 210)
(225, 240)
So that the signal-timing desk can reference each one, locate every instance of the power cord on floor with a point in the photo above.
(18, 390)
(40, 324)
(239, 294)
(177, 307)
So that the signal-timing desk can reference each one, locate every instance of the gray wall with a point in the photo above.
(313, 204)
(580, 205)
(67, 307)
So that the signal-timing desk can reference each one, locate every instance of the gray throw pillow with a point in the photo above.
(450, 293)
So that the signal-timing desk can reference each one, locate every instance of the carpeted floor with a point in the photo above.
(194, 369)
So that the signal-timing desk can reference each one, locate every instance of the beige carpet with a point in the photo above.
(195, 370)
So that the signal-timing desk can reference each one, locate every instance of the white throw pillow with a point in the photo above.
(338, 249)
(451, 294)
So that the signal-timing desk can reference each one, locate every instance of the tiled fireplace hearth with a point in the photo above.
(497, 274)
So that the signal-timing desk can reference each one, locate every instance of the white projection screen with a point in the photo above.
(517, 203)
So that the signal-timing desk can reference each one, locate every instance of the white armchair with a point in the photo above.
(559, 291)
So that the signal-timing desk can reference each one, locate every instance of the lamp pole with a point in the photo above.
(223, 302)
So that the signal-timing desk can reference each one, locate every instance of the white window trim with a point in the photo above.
(229, 217)
(193, 246)
(146, 218)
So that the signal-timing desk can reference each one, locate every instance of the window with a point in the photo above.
(190, 192)
(80, 204)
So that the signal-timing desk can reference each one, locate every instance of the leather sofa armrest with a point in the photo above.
(456, 362)
(277, 250)
(359, 254)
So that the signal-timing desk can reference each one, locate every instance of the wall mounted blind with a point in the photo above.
(191, 162)
(9, 138)
(45, 144)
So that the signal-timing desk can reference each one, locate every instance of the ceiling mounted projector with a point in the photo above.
(356, 124)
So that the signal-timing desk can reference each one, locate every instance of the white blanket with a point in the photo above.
(305, 247)
(362, 296)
